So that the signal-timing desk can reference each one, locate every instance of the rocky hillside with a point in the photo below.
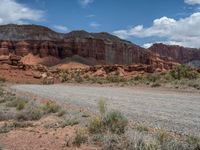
(105, 48)
(14, 32)
(178, 53)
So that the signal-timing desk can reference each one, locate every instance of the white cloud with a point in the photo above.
(85, 3)
(94, 25)
(61, 28)
(184, 31)
(192, 2)
(147, 45)
(13, 12)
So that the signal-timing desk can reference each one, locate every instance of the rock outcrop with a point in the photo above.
(107, 49)
(176, 53)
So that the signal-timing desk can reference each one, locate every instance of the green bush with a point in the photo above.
(61, 113)
(102, 106)
(138, 78)
(156, 84)
(15, 102)
(115, 79)
(142, 128)
(78, 78)
(80, 137)
(193, 140)
(70, 122)
(64, 76)
(146, 145)
(183, 71)
(152, 77)
(162, 136)
(20, 105)
(48, 81)
(111, 142)
(33, 113)
(95, 125)
(51, 107)
(115, 121)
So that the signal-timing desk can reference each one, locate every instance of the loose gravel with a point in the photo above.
(175, 111)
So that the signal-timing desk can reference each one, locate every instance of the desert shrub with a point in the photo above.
(95, 125)
(138, 78)
(183, 71)
(115, 121)
(20, 105)
(6, 114)
(32, 113)
(61, 113)
(111, 142)
(115, 79)
(21, 124)
(64, 76)
(5, 128)
(86, 77)
(51, 107)
(150, 145)
(162, 136)
(174, 145)
(156, 84)
(81, 137)
(142, 128)
(102, 106)
(2, 79)
(195, 84)
(96, 138)
(48, 81)
(98, 80)
(69, 122)
(78, 78)
(152, 77)
(193, 140)
(1, 92)
(15, 102)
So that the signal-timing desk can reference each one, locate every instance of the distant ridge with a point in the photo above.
(103, 47)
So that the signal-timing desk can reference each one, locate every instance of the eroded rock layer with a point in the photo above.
(177, 53)
(103, 47)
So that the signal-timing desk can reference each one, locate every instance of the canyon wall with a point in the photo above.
(22, 40)
(177, 53)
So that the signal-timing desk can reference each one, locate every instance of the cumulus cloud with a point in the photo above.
(192, 2)
(61, 28)
(184, 31)
(85, 3)
(13, 12)
(94, 25)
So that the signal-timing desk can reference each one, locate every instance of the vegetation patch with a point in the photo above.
(81, 137)
(113, 121)
(51, 107)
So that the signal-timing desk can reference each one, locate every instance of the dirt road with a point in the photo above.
(175, 111)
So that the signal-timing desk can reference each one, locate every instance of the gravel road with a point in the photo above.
(175, 111)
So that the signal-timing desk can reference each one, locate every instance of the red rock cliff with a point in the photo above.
(177, 53)
(105, 48)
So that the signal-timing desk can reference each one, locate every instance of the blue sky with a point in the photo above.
(141, 21)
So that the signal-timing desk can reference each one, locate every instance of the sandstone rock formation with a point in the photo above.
(176, 53)
(22, 40)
